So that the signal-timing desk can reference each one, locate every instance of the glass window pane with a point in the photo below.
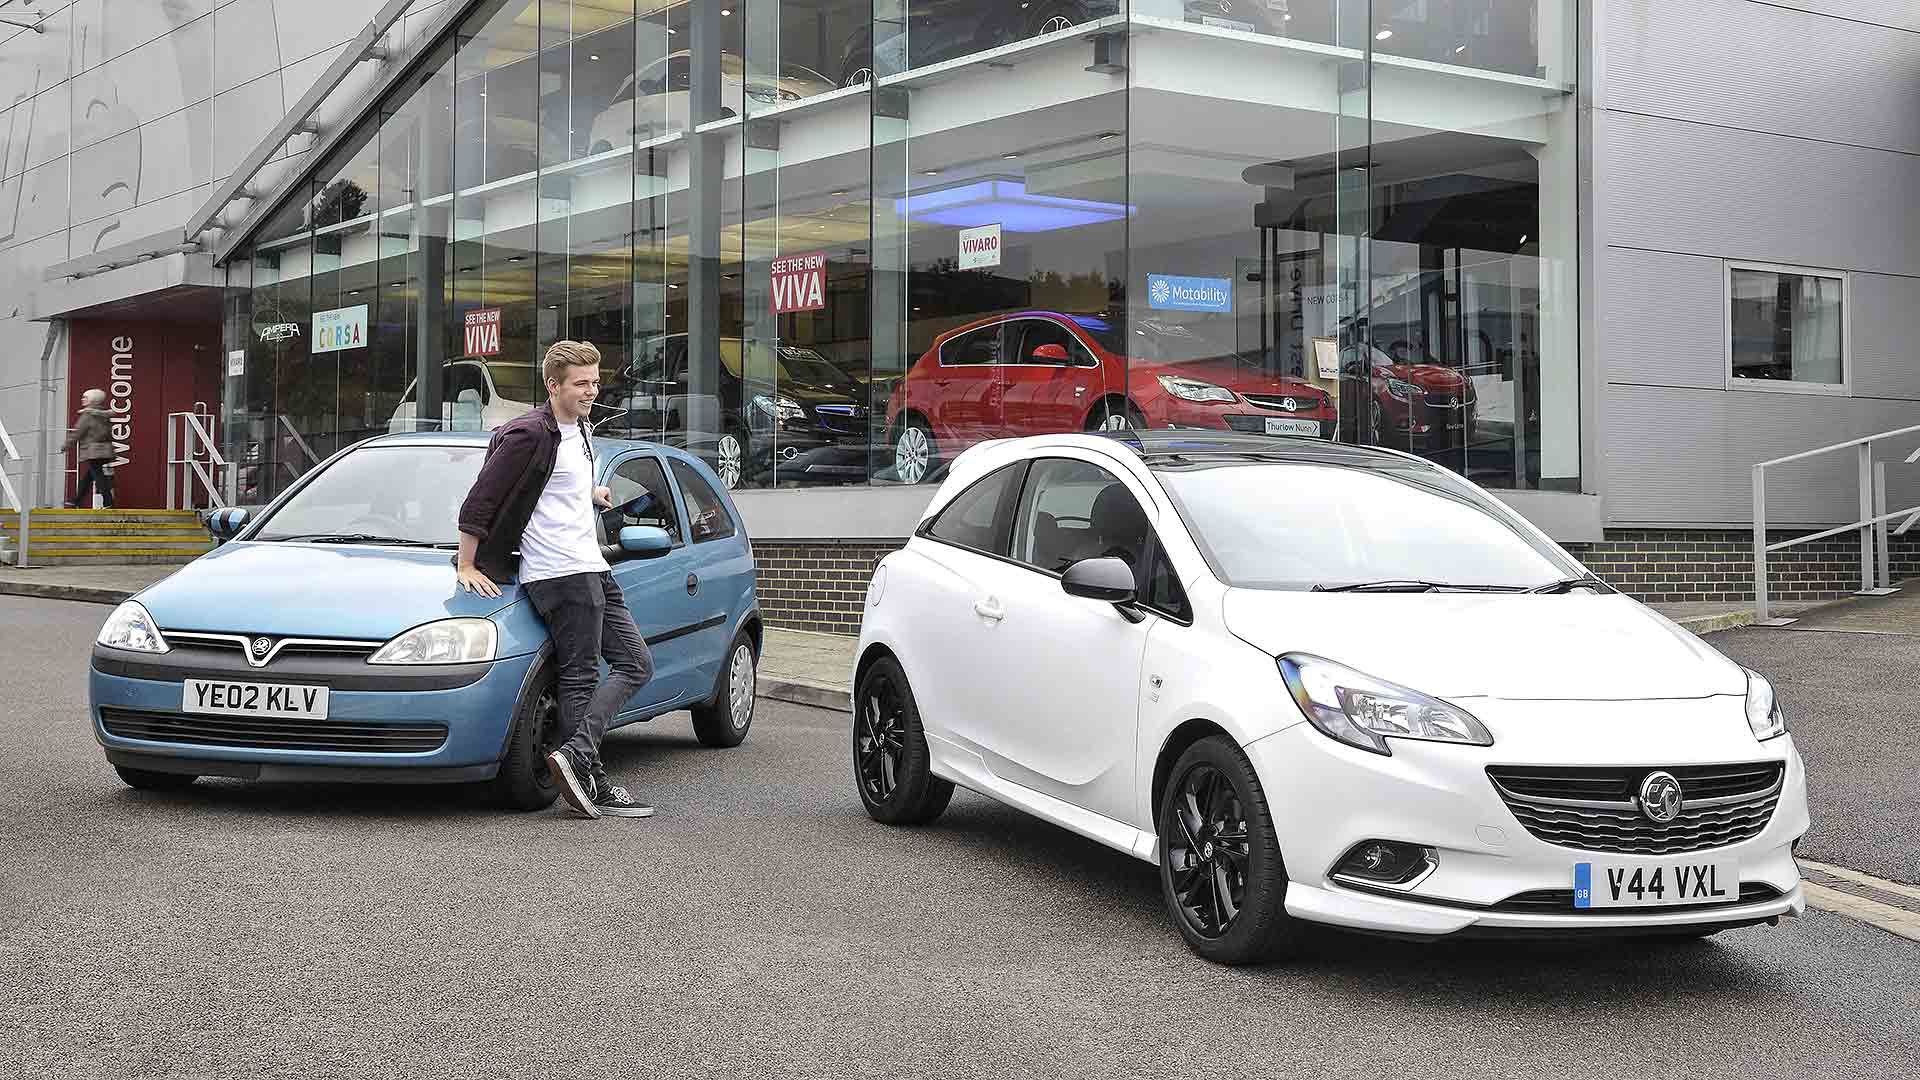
(641, 496)
(1072, 510)
(1787, 327)
(1294, 526)
(972, 519)
(707, 515)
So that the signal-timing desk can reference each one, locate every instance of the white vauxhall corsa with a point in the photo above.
(1318, 684)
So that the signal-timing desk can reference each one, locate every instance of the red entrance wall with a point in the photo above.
(148, 370)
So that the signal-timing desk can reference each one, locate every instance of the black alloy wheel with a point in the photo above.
(891, 765)
(1208, 852)
(1221, 875)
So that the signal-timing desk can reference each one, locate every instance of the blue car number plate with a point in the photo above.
(285, 701)
(1635, 885)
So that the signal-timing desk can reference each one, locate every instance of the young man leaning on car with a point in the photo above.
(535, 493)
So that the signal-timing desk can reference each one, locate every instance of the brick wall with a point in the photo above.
(816, 584)
(1666, 566)
(820, 584)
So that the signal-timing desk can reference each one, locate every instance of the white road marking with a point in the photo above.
(1891, 919)
(1859, 878)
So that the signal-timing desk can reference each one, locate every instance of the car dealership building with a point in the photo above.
(1599, 256)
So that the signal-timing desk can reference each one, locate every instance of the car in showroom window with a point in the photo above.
(1044, 371)
(1319, 686)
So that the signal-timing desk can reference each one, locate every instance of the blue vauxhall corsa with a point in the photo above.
(325, 640)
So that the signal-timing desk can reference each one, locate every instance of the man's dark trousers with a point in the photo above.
(587, 616)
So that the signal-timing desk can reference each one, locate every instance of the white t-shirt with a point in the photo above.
(560, 539)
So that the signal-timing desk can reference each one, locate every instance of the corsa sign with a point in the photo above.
(483, 332)
(800, 283)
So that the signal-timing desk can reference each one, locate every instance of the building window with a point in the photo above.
(1786, 329)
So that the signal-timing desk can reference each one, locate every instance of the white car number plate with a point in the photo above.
(1277, 426)
(1226, 24)
(282, 700)
(1630, 885)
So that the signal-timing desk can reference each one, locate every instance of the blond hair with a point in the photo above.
(566, 354)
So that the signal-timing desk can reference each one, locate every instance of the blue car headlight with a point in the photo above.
(132, 629)
(449, 641)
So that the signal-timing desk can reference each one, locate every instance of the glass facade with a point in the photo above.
(837, 241)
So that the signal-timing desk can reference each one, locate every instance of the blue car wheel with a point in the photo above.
(524, 782)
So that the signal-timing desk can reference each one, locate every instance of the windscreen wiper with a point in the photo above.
(361, 538)
(1565, 585)
(1415, 585)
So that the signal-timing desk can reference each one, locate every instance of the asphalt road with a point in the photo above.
(1851, 701)
(762, 925)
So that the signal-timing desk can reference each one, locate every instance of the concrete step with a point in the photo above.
(116, 516)
(47, 545)
(95, 525)
(114, 559)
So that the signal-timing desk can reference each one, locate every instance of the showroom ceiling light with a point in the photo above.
(1006, 202)
(1383, 35)
(593, 56)
(1458, 49)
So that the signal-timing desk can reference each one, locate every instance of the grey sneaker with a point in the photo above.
(560, 764)
(613, 801)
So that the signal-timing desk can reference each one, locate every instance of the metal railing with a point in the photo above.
(1872, 526)
(8, 455)
(192, 455)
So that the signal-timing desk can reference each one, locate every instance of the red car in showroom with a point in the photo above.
(1414, 405)
(1042, 372)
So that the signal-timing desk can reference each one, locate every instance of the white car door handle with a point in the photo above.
(989, 609)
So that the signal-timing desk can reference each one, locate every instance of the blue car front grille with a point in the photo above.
(268, 733)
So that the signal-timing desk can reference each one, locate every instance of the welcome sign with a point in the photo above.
(340, 328)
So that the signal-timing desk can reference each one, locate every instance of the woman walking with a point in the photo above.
(93, 434)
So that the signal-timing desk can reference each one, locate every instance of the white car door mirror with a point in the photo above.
(1108, 579)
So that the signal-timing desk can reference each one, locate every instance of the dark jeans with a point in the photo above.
(587, 617)
(94, 474)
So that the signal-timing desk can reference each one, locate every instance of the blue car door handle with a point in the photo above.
(693, 584)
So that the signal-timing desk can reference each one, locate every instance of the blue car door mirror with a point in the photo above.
(645, 541)
(225, 523)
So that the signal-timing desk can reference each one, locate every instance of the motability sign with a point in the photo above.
(1167, 292)
(800, 282)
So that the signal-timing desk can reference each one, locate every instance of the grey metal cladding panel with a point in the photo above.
(1658, 318)
(1901, 13)
(1677, 186)
(1758, 66)
(1886, 337)
(1676, 456)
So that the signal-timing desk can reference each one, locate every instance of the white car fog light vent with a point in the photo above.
(1389, 864)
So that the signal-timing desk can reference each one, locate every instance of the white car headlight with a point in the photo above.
(132, 629)
(1195, 390)
(1363, 711)
(449, 641)
(1763, 708)
(784, 408)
